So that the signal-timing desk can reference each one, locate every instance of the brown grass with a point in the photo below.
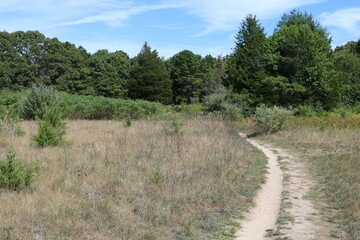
(130, 183)
(334, 158)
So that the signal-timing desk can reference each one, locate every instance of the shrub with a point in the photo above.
(51, 129)
(272, 119)
(15, 174)
(38, 101)
(97, 107)
(226, 103)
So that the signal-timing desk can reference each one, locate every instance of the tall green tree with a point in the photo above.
(110, 73)
(186, 75)
(347, 63)
(214, 72)
(149, 77)
(19, 52)
(303, 57)
(64, 66)
(246, 65)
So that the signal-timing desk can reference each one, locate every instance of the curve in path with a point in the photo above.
(267, 202)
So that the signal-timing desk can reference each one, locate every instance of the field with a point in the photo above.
(331, 148)
(185, 179)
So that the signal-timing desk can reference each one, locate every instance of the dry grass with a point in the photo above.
(130, 183)
(334, 158)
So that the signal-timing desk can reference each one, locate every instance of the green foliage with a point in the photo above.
(150, 79)
(188, 109)
(175, 128)
(188, 72)
(226, 103)
(97, 107)
(15, 174)
(347, 63)
(110, 73)
(246, 65)
(127, 122)
(38, 101)
(272, 119)
(158, 176)
(9, 121)
(302, 55)
(307, 110)
(51, 129)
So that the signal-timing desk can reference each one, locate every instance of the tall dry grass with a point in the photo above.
(138, 182)
(333, 155)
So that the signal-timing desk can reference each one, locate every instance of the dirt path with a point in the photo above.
(284, 208)
(267, 203)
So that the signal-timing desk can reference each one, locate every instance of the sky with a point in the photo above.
(169, 26)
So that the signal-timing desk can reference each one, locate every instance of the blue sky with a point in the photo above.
(170, 26)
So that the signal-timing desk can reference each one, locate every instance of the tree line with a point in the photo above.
(295, 65)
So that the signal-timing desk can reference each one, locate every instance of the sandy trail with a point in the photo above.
(282, 204)
(267, 203)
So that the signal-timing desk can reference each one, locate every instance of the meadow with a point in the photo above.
(180, 179)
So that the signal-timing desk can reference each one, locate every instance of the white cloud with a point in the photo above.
(347, 19)
(226, 15)
(116, 18)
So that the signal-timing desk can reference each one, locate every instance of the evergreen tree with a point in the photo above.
(149, 77)
(246, 66)
(214, 72)
(186, 75)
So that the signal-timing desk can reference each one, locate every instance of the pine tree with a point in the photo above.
(246, 65)
(149, 77)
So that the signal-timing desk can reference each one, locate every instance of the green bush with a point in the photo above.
(97, 107)
(38, 101)
(224, 102)
(51, 129)
(15, 174)
(272, 119)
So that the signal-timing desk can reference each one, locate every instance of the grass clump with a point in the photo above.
(272, 119)
(51, 129)
(38, 101)
(15, 174)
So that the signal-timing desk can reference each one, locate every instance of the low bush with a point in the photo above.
(51, 129)
(97, 107)
(38, 101)
(272, 119)
(227, 104)
(15, 174)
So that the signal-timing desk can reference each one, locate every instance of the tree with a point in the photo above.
(214, 72)
(347, 63)
(186, 75)
(302, 49)
(149, 77)
(64, 66)
(246, 66)
(110, 73)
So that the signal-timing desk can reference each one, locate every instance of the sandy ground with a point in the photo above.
(267, 203)
(282, 204)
